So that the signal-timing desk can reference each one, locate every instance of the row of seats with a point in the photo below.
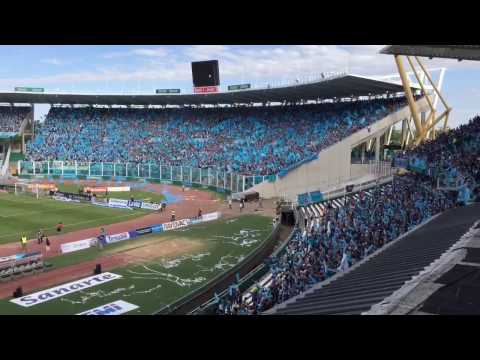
(24, 269)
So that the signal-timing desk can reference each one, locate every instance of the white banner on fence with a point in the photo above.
(77, 245)
(211, 216)
(65, 289)
(118, 188)
(150, 206)
(176, 224)
(118, 203)
(117, 237)
(114, 308)
(62, 198)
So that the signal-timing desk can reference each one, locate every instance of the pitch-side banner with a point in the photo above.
(65, 289)
(77, 245)
(176, 224)
(118, 203)
(114, 308)
(118, 188)
(118, 237)
(150, 206)
(211, 216)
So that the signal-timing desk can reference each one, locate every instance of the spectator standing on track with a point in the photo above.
(102, 239)
(172, 215)
(230, 203)
(47, 245)
(199, 213)
(40, 236)
(23, 242)
(241, 206)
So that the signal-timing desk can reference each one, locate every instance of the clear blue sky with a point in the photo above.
(146, 68)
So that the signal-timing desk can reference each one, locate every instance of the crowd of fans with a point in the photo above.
(452, 157)
(11, 117)
(246, 140)
(345, 235)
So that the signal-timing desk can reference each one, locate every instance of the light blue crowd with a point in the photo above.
(245, 140)
(346, 235)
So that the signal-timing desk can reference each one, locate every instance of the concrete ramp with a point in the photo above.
(333, 165)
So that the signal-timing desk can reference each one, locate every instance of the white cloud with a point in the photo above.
(206, 52)
(255, 64)
(142, 52)
(53, 61)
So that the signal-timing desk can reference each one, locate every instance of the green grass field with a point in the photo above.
(136, 194)
(23, 214)
(155, 283)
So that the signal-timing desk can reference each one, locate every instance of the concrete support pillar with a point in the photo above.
(363, 146)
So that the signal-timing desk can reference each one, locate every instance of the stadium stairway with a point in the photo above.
(382, 273)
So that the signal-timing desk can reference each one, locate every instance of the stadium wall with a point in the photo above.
(333, 165)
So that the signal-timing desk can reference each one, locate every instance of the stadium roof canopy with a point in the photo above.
(460, 52)
(338, 87)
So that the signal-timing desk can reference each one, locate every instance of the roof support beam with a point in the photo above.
(408, 92)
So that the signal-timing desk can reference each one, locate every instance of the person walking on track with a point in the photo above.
(173, 215)
(230, 203)
(23, 242)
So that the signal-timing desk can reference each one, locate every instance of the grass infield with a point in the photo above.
(23, 214)
(193, 256)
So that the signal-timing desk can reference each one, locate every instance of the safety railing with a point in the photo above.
(209, 177)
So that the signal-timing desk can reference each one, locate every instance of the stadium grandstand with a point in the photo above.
(396, 248)
(371, 187)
